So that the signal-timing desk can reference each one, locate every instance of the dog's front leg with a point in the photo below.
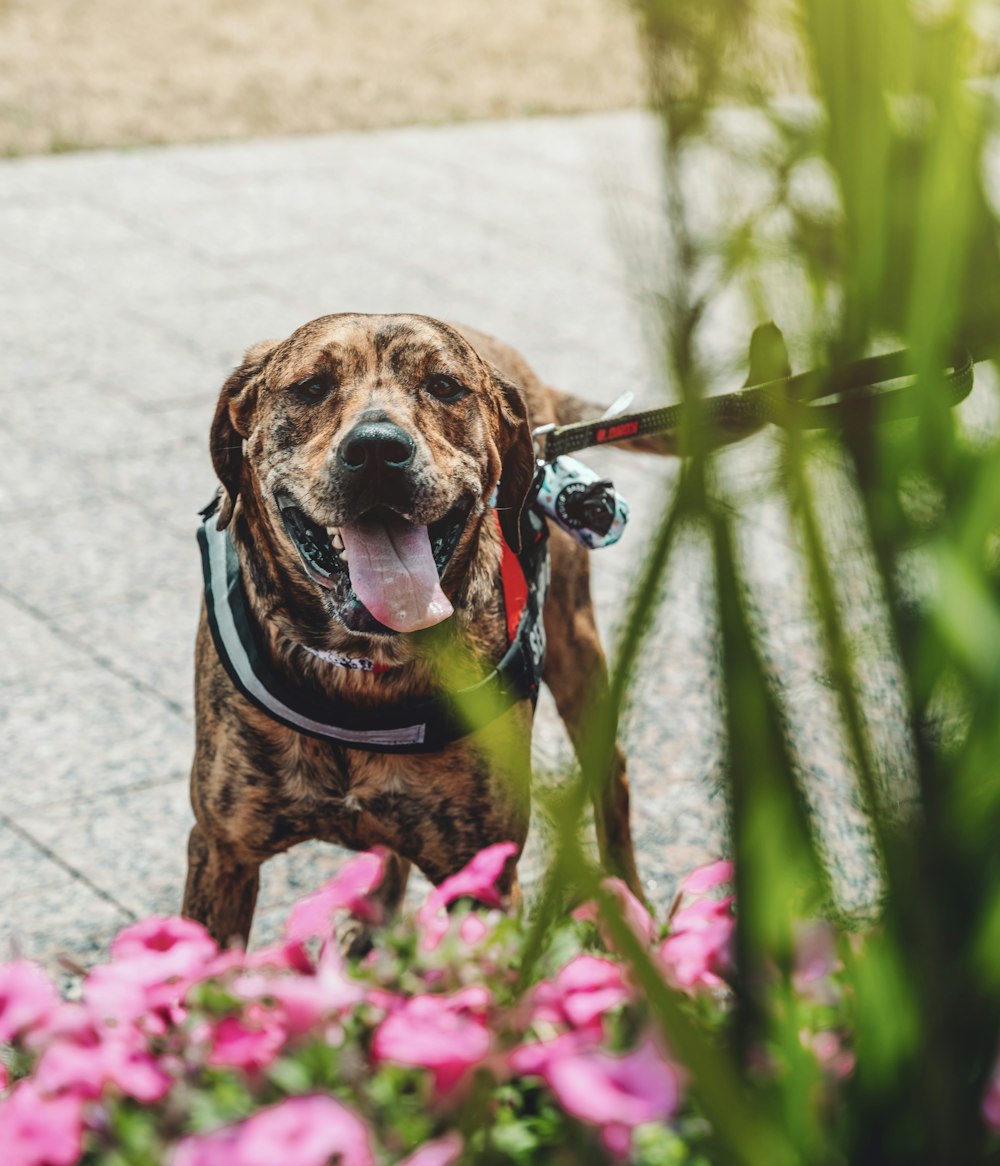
(576, 673)
(221, 889)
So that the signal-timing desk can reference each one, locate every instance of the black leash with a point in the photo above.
(817, 399)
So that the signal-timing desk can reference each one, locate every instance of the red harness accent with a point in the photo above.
(515, 586)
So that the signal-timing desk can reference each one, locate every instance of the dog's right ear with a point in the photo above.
(517, 452)
(230, 425)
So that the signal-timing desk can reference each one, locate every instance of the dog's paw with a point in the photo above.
(354, 938)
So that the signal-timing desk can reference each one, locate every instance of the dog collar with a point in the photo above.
(354, 663)
(420, 726)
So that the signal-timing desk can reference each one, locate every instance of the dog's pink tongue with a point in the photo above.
(393, 573)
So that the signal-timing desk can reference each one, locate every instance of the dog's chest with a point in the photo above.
(426, 807)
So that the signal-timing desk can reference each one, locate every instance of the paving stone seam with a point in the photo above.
(175, 777)
(135, 682)
(76, 874)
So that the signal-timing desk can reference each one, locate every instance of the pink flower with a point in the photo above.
(698, 949)
(990, 1107)
(237, 1044)
(297, 1003)
(706, 878)
(833, 1058)
(815, 962)
(348, 890)
(301, 1131)
(290, 955)
(121, 994)
(476, 880)
(533, 1060)
(615, 1092)
(72, 1024)
(287, 955)
(84, 1070)
(40, 1131)
(154, 962)
(586, 988)
(187, 943)
(441, 1152)
(473, 930)
(633, 912)
(28, 999)
(699, 945)
(432, 1033)
(383, 1000)
(435, 928)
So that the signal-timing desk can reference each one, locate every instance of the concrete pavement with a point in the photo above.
(131, 283)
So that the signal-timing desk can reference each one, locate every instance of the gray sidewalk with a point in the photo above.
(131, 283)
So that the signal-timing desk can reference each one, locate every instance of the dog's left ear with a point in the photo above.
(517, 459)
(230, 425)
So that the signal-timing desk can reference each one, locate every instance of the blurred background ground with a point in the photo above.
(75, 74)
(79, 74)
(83, 73)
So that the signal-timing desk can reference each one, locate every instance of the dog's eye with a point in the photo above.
(312, 388)
(444, 388)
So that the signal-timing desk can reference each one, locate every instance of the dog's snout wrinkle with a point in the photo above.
(377, 446)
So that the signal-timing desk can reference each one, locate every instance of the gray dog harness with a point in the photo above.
(414, 726)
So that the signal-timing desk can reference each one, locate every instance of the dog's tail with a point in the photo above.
(768, 362)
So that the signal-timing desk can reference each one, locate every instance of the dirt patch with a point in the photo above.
(82, 73)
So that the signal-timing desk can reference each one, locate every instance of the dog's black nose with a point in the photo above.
(377, 445)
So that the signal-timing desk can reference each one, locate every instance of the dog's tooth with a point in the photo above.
(343, 555)
(337, 540)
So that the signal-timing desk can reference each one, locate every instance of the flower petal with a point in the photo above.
(705, 878)
(28, 999)
(622, 1090)
(300, 1131)
(348, 890)
(441, 1152)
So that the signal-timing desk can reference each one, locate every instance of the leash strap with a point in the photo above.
(425, 726)
(818, 399)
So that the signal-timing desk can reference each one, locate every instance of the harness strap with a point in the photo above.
(515, 585)
(423, 726)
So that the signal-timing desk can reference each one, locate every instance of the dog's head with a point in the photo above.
(368, 448)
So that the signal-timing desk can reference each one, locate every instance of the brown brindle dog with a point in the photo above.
(376, 428)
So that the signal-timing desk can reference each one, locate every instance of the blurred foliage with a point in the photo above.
(860, 219)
